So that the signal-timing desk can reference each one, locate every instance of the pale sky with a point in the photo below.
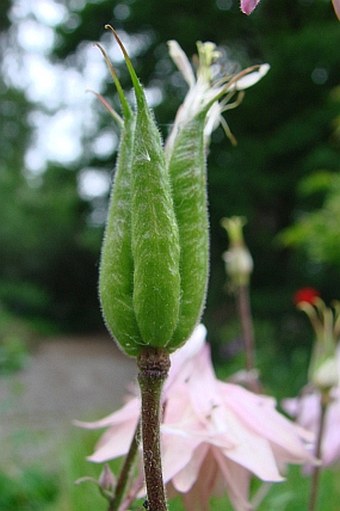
(64, 107)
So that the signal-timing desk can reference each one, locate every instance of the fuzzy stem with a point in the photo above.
(324, 400)
(125, 472)
(153, 369)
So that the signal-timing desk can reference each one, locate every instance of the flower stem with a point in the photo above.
(246, 319)
(132, 493)
(324, 400)
(153, 369)
(125, 472)
(247, 324)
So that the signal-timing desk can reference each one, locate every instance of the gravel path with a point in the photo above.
(66, 378)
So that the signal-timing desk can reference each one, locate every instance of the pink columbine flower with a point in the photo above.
(336, 5)
(215, 435)
(306, 410)
(247, 6)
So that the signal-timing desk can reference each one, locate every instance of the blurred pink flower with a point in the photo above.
(215, 435)
(247, 6)
(336, 5)
(306, 410)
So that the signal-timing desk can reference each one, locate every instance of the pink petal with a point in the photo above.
(307, 411)
(185, 479)
(331, 441)
(206, 485)
(247, 6)
(249, 450)
(237, 481)
(181, 360)
(178, 447)
(202, 385)
(336, 5)
(114, 443)
(128, 412)
(259, 414)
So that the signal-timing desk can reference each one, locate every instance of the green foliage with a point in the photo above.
(85, 496)
(317, 232)
(14, 337)
(30, 490)
(13, 353)
(44, 252)
(274, 361)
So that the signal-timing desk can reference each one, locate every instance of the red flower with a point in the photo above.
(306, 294)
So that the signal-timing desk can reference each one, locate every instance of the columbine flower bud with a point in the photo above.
(238, 261)
(324, 371)
(107, 480)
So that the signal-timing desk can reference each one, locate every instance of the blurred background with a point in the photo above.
(57, 154)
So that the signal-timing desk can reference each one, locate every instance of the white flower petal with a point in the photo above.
(182, 62)
(251, 79)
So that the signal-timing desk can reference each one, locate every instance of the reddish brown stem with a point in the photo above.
(315, 482)
(247, 325)
(125, 472)
(153, 369)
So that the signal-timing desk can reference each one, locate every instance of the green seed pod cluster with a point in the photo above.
(155, 254)
(139, 283)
